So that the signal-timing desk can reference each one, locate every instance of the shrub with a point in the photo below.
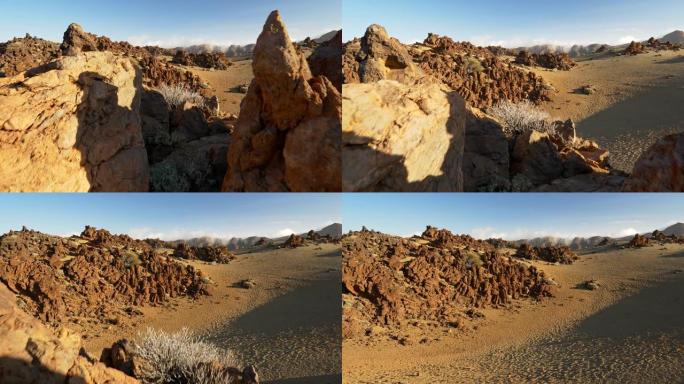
(178, 94)
(182, 357)
(473, 259)
(522, 117)
(473, 65)
(131, 258)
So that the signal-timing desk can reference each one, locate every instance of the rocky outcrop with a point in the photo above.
(97, 275)
(21, 54)
(287, 137)
(399, 137)
(326, 60)
(204, 60)
(209, 254)
(481, 77)
(486, 156)
(634, 48)
(294, 241)
(553, 254)
(31, 353)
(638, 241)
(559, 61)
(437, 278)
(73, 126)
(377, 56)
(660, 168)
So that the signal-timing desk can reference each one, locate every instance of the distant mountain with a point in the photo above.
(237, 243)
(675, 229)
(326, 36)
(676, 37)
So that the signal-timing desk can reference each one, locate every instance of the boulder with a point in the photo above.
(660, 168)
(287, 137)
(486, 155)
(75, 127)
(536, 157)
(76, 40)
(326, 60)
(377, 56)
(401, 137)
(30, 353)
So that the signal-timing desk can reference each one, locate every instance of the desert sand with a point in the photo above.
(288, 325)
(225, 84)
(638, 99)
(628, 330)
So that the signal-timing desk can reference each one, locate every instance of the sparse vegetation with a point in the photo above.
(183, 357)
(522, 117)
(473, 65)
(131, 258)
(473, 259)
(178, 94)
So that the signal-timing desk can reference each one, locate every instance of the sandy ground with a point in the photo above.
(629, 330)
(288, 325)
(224, 83)
(638, 100)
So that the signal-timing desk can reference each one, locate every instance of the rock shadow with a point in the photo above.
(112, 152)
(19, 371)
(674, 60)
(391, 175)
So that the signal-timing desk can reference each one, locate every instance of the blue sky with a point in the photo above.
(167, 23)
(514, 216)
(517, 23)
(171, 216)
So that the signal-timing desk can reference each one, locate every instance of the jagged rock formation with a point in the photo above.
(400, 137)
(377, 56)
(660, 168)
(554, 254)
(21, 54)
(482, 78)
(634, 48)
(638, 241)
(205, 60)
(73, 126)
(294, 241)
(31, 353)
(662, 45)
(210, 254)
(389, 281)
(666, 239)
(287, 137)
(96, 275)
(546, 60)
(326, 60)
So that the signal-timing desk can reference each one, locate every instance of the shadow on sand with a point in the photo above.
(391, 175)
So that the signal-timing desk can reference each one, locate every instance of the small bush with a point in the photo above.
(182, 358)
(131, 258)
(522, 117)
(178, 94)
(474, 65)
(473, 259)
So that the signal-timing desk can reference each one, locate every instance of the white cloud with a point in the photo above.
(626, 39)
(175, 234)
(285, 232)
(180, 41)
(626, 232)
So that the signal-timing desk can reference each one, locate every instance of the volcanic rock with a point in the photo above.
(486, 156)
(638, 241)
(21, 54)
(294, 241)
(554, 254)
(436, 277)
(634, 48)
(98, 276)
(31, 353)
(559, 61)
(536, 157)
(204, 60)
(660, 168)
(74, 127)
(218, 254)
(401, 137)
(377, 56)
(287, 137)
(326, 60)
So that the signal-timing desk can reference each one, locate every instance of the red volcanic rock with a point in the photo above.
(553, 254)
(288, 134)
(326, 60)
(294, 241)
(634, 48)
(389, 280)
(19, 55)
(546, 60)
(96, 275)
(210, 254)
(660, 168)
(205, 60)
(638, 241)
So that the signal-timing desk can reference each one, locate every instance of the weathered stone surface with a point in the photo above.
(326, 60)
(554, 254)
(536, 157)
(21, 54)
(74, 127)
(390, 281)
(660, 168)
(287, 137)
(546, 60)
(486, 157)
(377, 56)
(401, 137)
(31, 354)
